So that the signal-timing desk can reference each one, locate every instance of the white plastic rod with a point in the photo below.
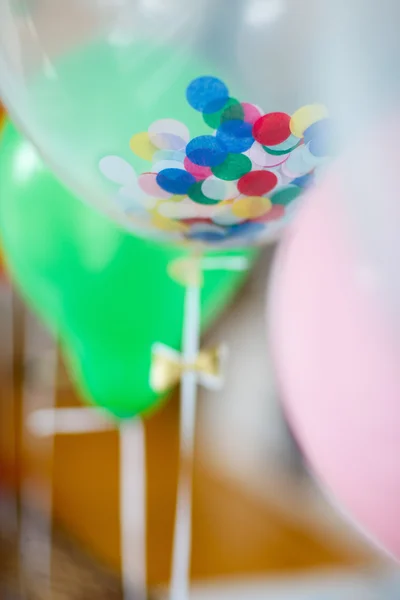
(133, 509)
(180, 582)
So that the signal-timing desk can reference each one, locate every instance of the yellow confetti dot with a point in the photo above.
(226, 202)
(251, 207)
(166, 224)
(305, 117)
(141, 146)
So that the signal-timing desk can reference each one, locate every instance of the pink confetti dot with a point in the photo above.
(148, 183)
(251, 112)
(197, 171)
(277, 212)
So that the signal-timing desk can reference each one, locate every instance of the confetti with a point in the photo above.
(286, 195)
(306, 116)
(207, 94)
(232, 109)
(236, 136)
(234, 167)
(251, 207)
(141, 145)
(237, 185)
(272, 129)
(175, 181)
(169, 134)
(206, 151)
(257, 183)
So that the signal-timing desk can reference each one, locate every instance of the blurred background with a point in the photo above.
(261, 527)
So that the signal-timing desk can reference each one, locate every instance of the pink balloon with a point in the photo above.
(338, 363)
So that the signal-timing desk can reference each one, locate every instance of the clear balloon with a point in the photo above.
(196, 121)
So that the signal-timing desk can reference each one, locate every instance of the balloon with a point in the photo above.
(360, 82)
(197, 122)
(2, 273)
(105, 295)
(2, 119)
(338, 357)
(336, 305)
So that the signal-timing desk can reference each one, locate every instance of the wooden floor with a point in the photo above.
(234, 533)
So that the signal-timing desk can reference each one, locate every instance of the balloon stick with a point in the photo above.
(182, 534)
(133, 509)
(196, 367)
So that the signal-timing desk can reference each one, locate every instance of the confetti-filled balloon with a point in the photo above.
(180, 120)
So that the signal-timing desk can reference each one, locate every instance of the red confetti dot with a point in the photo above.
(198, 221)
(257, 183)
(272, 129)
(277, 212)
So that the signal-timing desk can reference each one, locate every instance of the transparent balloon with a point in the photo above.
(198, 122)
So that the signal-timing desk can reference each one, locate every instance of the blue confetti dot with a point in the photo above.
(236, 136)
(206, 151)
(175, 181)
(304, 182)
(210, 237)
(319, 137)
(247, 229)
(207, 94)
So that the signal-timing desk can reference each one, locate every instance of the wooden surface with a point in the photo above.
(234, 533)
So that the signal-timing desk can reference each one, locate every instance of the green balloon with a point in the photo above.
(105, 294)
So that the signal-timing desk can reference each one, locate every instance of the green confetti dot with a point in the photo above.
(286, 195)
(232, 110)
(195, 193)
(234, 167)
(281, 152)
